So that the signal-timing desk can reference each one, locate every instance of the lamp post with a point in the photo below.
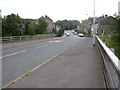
(0, 14)
(119, 8)
(94, 23)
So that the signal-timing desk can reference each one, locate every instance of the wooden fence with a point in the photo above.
(25, 38)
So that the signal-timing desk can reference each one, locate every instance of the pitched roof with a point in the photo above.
(106, 21)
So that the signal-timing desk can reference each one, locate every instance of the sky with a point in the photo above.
(59, 9)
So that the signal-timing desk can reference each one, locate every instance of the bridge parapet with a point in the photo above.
(110, 65)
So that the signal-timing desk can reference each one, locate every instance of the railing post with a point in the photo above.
(27, 37)
(11, 39)
(20, 38)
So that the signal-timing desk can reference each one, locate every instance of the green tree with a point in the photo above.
(12, 25)
(68, 25)
(60, 33)
(26, 28)
(32, 28)
(84, 25)
(115, 27)
(115, 38)
(42, 26)
(54, 31)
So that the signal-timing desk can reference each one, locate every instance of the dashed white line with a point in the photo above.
(44, 45)
(13, 54)
(40, 46)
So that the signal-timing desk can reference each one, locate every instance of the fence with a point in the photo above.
(23, 38)
(110, 66)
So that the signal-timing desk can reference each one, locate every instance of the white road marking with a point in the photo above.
(13, 54)
(44, 45)
(37, 66)
(40, 46)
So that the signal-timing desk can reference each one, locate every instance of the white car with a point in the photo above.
(75, 33)
(81, 35)
(67, 34)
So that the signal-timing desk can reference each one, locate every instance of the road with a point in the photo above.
(17, 61)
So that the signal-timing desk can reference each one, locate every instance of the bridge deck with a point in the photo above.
(76, 67)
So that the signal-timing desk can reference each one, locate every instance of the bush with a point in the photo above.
(112, 42)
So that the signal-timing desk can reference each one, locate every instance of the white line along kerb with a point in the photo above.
(13, 54)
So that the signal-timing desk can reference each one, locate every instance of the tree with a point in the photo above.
(12, 25)
(68, 25)
(29, 26)
(115, 27)
(54, 31)
(42, 25)
(84, 25)
(60, 33)
(26, 28)
(32, 28)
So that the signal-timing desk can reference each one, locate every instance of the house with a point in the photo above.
(57, 28)
(102, 25)
(50, 22)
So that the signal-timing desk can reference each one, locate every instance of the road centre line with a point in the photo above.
(13, 54)
(40, 46)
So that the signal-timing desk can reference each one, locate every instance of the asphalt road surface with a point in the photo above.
(17, 61)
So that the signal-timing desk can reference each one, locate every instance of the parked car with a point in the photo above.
(81, 35)
(75, 33)
(67, 34)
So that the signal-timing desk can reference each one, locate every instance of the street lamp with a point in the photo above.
(94, 23)
(119, 8)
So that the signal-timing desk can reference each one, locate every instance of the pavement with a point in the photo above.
(75, 67)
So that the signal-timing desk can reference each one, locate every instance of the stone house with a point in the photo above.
(50, 22)
(102, 25)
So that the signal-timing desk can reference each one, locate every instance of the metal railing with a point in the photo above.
(24, 38)
(110, 65)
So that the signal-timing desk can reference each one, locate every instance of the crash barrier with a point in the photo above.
(27, 37)
(110, 65)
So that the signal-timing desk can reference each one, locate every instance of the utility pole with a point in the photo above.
(0, 24)
(94, 23)
(119, 8)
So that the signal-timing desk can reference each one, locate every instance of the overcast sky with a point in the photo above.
(58, 9)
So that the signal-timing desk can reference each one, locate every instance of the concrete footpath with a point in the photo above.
(76, 67)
